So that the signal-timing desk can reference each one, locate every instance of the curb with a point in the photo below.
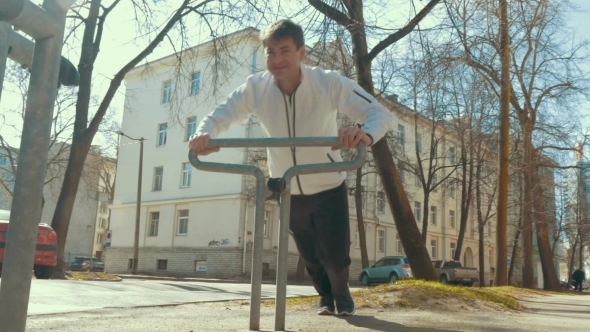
(224, 281)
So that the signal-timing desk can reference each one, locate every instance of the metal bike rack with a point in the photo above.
(285, 206)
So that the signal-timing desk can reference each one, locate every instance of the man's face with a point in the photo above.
(283, 59)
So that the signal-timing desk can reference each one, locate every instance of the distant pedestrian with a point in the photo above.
(578, 277)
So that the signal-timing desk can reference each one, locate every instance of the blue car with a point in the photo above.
(387, 269)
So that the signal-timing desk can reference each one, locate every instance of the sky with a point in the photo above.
(119, 45)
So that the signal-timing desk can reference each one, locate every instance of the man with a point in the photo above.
(579, 276)
(291, 99)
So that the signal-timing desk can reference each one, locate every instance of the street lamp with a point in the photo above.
(138, 203)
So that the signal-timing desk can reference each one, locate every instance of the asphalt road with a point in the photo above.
(61, 296)
(551, 313)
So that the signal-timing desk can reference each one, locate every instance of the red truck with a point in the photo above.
(46, 253)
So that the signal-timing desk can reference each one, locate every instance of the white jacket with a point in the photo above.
(311, 111)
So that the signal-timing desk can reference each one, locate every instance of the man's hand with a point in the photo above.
(200, 144)
(350, 137)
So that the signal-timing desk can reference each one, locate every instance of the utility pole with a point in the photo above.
(504, 151)
(46, 25)
(135, 262)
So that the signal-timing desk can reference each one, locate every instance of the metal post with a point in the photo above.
(28, 190)
(282, 257)
(137, 210)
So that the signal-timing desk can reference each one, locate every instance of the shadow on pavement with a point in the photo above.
(376, 324)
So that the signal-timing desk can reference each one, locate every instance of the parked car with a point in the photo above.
(83, 263)
(453, 273)
(46, 250)
(387, 269)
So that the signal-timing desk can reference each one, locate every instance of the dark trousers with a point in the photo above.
(321, 230)
(577, 285)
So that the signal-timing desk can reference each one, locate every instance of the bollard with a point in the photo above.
(46, 24)
(285, 207)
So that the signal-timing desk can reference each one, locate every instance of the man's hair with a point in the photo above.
(283, 29)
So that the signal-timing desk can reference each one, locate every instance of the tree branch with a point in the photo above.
(332, 13)
(394, 37)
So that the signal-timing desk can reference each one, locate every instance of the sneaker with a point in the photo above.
(346, 309)
(326, 306)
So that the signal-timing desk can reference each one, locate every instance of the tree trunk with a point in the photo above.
(581, 253)
(425, 215)
(550, 280)
(480, 224)
(527, 229)
(466, 190)
(80, 144)
(358, 200)
(572, 260)
(504, 150)
(513, 255)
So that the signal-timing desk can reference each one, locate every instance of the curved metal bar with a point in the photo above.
(282, 257)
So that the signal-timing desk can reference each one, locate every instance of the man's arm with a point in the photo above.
(235, 109)
(350, 99)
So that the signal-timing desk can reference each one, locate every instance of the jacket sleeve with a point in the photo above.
(361, 107)
(237, 108)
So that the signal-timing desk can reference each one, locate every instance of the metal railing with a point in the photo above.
(285, 207)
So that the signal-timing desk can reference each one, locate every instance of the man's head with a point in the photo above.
(285, 49)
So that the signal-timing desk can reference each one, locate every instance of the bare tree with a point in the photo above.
(350, 16)
(544, 69)
(92, 15)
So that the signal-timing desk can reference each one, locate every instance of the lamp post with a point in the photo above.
(137, 204)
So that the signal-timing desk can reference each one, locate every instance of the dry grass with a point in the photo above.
(94, 276)
(429, 295)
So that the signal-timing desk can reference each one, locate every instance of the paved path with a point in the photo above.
(59, 296)
(553, 313)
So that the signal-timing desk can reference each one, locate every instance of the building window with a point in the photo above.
(158, 177)
(187, 169)
(419, 143)
(452, 218)
(3, 160)
(153, 225)
(418, 211)
(398, 244)
(357, 239)
(104, 207)
(266, 220)
(99, 238)
(401, 135)
(102, 223)
(489, 228)
(381, 202)
(433, 183)
(433, 215)
(381, 240)
(400, 168)
(166, 92)
(433, 248)
(182, 222)
(417, 181)
(191, 127)
(453, 249)
(491, 258)
(195, 83)
(162, 264)
(451, 156)
(162, 134)
(453, 189)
